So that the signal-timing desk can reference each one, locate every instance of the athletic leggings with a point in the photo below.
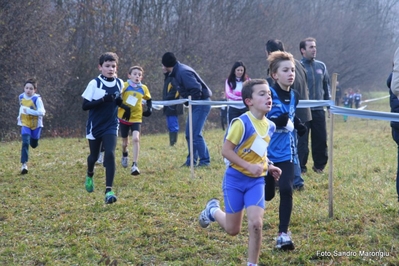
(285, 188)
(109, 144)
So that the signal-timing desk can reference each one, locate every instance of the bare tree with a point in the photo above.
(31, 45)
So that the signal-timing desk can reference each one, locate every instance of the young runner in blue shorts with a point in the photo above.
(243, 185)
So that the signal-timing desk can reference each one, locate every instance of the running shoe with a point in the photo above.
(318, 171)
(89, 184)
(24, 169)
(134, 170)
(205, 218)
(110, 197)
(284, 242)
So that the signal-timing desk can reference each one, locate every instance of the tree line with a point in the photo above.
(59, 42)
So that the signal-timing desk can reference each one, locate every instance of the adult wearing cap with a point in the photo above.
(189, 83)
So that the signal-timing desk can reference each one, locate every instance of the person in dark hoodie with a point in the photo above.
(171, 111)
(189, 83)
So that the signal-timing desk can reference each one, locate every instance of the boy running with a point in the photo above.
(132, 95)
(243, 185)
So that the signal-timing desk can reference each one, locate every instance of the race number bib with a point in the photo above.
(259, 146)
(131, 100)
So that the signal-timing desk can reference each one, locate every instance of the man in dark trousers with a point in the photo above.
(319, 89)
(189, 83)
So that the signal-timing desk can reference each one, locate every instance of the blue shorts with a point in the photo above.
(34, 133)
(241, 191)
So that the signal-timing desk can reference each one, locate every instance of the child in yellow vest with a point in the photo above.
(30, 119)
(132, 95)
(245, 148)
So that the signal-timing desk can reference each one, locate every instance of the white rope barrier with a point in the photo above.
(337, 110)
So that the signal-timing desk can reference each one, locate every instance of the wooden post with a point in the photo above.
(190, 143)
(330, 150)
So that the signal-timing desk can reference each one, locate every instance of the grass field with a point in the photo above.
(47, 217)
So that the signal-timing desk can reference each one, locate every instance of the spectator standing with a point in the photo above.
(189, 83)
(338, 94)
(350, 96)
(357, 97)
(319, 89)
(233, 88)
(345, 101)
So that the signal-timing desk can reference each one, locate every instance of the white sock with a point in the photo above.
(212, 211)
(251, 264)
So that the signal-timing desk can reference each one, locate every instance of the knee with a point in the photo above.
(91, 159)
(286, 195)
(109, 160)
(25, 143)
(286, 191)
(34, 144)
(286, 186)
(25, 140)
(233, 231)
(136, 139)
(109, 156)
(255, 225)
